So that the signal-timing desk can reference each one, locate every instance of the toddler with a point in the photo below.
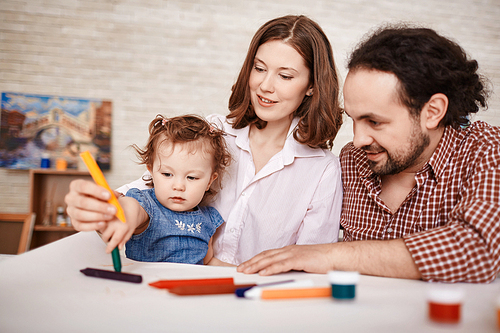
(171, 222)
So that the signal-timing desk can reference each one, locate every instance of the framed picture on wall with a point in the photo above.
(36, 127)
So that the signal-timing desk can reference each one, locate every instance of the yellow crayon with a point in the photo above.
(98, 177)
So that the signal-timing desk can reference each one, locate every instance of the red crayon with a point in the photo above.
(214, 289)
(168, 284)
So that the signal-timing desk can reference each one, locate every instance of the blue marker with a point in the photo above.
(256, 292)
(240, 292)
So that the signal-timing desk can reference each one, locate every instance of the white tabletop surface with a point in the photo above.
(44, 291)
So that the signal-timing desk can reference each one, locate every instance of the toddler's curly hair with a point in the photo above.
(191, 129)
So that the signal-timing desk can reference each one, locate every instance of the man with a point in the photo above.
(421, 184)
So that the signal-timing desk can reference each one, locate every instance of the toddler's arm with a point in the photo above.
(210, 253)
(211, 260)
(118, 233)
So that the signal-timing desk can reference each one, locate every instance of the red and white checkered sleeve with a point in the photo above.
(467, 248)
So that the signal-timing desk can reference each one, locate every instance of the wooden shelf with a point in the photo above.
(53, 228)
(48, 187)
(69, 172)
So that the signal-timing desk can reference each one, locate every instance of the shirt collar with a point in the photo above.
(361, 161)
(291, 150)
(446, 146)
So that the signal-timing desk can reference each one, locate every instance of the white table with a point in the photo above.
(44, 291)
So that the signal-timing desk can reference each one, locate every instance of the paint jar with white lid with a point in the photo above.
(343, 284)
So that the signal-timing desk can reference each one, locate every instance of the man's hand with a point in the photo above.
(308, 258)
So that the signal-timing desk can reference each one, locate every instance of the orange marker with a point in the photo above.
(98, 177)
(296, 293)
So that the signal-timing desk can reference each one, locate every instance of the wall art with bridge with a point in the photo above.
(43, 126)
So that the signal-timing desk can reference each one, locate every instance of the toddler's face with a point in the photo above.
(181, 175)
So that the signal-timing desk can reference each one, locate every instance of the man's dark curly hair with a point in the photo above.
(425, 63)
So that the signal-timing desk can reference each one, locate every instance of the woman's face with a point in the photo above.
(279, 81)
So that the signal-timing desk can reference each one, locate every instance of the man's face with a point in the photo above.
(392, 139)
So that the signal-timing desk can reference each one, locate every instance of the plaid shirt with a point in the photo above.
(450, 221)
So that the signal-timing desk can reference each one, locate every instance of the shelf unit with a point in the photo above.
(50, 185)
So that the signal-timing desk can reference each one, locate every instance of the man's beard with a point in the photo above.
(401, 159)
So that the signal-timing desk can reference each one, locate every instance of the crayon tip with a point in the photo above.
(156, 284)
(117, 264)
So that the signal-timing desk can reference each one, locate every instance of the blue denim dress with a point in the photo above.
(180, 237)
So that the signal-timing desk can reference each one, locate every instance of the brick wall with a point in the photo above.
(175, 57)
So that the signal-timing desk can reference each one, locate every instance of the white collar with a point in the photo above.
(291, 149)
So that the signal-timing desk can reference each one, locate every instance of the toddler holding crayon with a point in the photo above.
(171, 222)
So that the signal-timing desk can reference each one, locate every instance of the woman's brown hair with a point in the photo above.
(320, 114)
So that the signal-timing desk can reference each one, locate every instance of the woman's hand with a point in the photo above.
(88, 206)
(308, 258)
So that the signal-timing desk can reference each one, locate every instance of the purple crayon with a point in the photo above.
(100, 273)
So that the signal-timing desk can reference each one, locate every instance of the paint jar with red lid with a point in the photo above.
(498, 312)
(445, 304)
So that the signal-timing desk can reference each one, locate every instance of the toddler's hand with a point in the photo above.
(117, 233)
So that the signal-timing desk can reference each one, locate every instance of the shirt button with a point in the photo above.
(243, 194)
(389, 230)
(232, 230)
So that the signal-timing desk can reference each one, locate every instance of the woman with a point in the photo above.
(284, 185)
